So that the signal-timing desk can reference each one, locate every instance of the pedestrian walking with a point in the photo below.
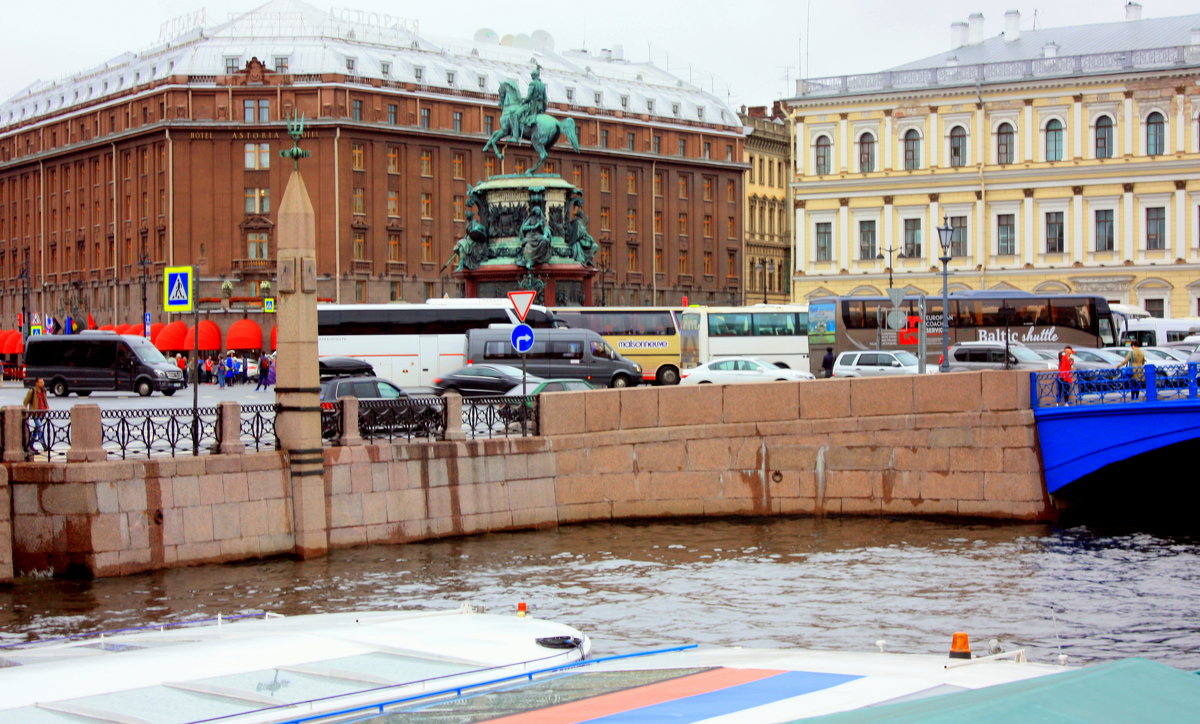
(271, 372)
(827, 363)
(208, 368)
(1066, 362)
(36, 404)
(226, 375)
(264, 371)
(1135, 360)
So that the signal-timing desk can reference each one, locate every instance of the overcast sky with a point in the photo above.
(745, 51)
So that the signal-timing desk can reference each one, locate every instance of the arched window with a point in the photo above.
(1104, 137)
(866, 152)
(1004, 143)
(912, 149)
(823, 149)
(958, 146)
(1155, 134)
(1054, 140)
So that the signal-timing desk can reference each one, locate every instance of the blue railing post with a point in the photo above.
(1151, 383)
(1191, 380)
(1034, 397)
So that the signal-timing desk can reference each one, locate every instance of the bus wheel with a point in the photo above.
(620, 381)
(668, 376)
(59, 388)
(143, 388)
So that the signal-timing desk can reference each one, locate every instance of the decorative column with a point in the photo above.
(298, 421)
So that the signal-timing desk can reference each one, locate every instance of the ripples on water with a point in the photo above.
(838, 583)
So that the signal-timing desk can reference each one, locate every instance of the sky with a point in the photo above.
(747, 52)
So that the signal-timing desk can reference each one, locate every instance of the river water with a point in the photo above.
(827, 583)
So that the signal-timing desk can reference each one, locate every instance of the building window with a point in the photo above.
(257, 245)
(1156, 228)
(658, 261)
(393, 203)
(457, 119)
(824, 249)
(232, 63)
(426, 162)
(460, 208)
(351, 63)
(1054, 140)
(360, 291)
(658, 144)
(393, 115)
(631, 221)
(358, 157)
(489, 124)
(912, 238)
(281, 64)
(1155, 135)
(631, 185)
(1104, 230)
(708, 189)
(1006, 234)
(256, 110)
(258, 201)
(708, 226)
(912, 149)
(683, 147)
(683, 187)
(577, 175)
(658, 183)
(632, 262)
(458, 164)
(958, 239)
(731, 269)
(630, 141)
(683, 224)
(605, 217)
(360, 245)
(385, 69)
(425, 115)
(684, 265)
(823, 148)
(707, 149)
(450, 78)
(958, 146)
(730, 191)
(395, 291)
(1104, 137)
(358, 204)
(426, 205)
(520, 165)
(258, 156)
(1004, 143)
(658, 222)
(1054, 232)
(356, 110)
(1156, 307)
(730, 227)
(604, 138)
(393, 159)
(489, 166)
(866, 153)
(426, 249)
(866, 240)
(394, 247)
(605, 179)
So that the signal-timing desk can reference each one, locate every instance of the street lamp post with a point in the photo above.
(945, 236)
(26, 325)
(889, 251)
(144, 263)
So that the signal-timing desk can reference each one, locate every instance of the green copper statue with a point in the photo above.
(528, 119)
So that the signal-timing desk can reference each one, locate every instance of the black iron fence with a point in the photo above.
(46, 434)
(501, 416)
(1151, 383)
(410, 418)
(165, 431)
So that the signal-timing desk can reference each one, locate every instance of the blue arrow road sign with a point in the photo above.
(522, 337)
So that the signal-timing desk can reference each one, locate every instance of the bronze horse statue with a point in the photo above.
(541, 133)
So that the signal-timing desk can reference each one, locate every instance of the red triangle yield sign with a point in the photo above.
(521, 302)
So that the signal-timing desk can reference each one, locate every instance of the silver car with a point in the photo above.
(967, 356)
(875, 363)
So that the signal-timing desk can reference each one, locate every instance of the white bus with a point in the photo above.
(411, 344)
(1154, 332)
(777, 333)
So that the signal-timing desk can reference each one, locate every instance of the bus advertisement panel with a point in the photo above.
(646, 335)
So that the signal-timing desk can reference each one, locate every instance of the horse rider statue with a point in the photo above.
(527, 118)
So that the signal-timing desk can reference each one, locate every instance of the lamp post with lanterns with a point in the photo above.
(945, 234)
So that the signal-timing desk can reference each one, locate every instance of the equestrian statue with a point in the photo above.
(528, 119)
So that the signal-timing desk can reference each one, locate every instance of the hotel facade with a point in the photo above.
(1064, 160)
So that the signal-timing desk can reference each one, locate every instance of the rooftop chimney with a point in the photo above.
(1012, 26)
(1195, 36)
(1133, 11)
(958, 34)
(1050, 50)
(976, 22)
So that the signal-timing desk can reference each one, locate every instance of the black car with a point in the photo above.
(384, 410)
(344, 367)
(482, 380)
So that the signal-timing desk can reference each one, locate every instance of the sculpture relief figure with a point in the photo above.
(535, 238)
(583, 246)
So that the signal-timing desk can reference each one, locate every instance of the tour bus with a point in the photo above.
(777, 333)
(411, 344)
(646, 335)
(1153, 332)
(96, 361)
(860, 323)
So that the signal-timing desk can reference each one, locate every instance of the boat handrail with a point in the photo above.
(100, 635)
(1017, 655)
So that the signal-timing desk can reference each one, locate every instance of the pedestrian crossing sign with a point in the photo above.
(177, 289)
(269, 304)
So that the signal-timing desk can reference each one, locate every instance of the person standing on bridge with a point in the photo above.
(827, 363)
(1135, 360)
(1066, 362)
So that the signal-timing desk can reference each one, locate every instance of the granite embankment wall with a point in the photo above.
(960, 445)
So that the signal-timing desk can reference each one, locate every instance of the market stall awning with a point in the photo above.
(244, 334)
(171, 337)
(210, 337)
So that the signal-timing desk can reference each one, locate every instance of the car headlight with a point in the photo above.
(160, 373)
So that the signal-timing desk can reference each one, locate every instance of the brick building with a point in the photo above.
(170, 157)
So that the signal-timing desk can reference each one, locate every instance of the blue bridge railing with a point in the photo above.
(1152, 383)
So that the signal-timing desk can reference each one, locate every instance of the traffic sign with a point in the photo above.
(177, 289)
(896, 319)
(146, 324)
(269, 305)
(522, 338)
(35, 329)
(522, 301)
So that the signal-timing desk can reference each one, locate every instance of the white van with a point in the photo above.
(1154, 332)
(576, 353)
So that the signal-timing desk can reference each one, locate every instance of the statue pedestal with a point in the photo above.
(527, 232)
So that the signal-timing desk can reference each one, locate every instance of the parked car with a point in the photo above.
(343, 366)
(384, 408)
(875, 363)
(100, 361)
(481, 380)
(968, 356)
(729, 370)
(513, 411)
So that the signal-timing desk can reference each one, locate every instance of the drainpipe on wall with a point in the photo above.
(337, 217)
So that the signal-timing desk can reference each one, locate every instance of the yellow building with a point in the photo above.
(768, 229)
(1065, 159)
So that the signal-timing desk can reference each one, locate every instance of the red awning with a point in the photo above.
(210, 337)
(244, 334)
(13, 344)
(273, 331)
(108, 328)
(156, 329)
(172, 336)
(123, 329)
